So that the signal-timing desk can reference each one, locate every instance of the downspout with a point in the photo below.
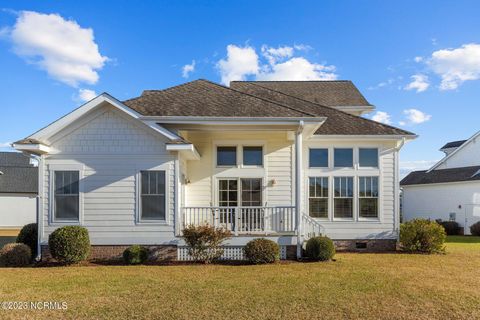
(176, 195)
(39, 198)
(298, 185)
(396, 199)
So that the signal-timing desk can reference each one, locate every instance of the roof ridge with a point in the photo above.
(260, 98)
(250, 81)
(332, 108)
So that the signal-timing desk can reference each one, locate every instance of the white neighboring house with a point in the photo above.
(282, 160)
(450, 190)
(18, 192)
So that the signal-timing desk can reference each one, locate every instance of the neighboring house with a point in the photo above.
(263, 159)
(450, 190)
(18, 192)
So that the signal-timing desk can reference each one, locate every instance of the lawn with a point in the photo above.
(355, 286)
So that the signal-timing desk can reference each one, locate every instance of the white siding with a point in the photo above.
(467, 156)
(17, 210)
(437, 201)
(111, 149)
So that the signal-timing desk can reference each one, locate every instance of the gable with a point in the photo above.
(468, 154)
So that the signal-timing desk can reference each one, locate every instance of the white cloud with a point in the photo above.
(419, 83)
(415, 116)
(298, 68)
(275, 54)
(418, 59)
(5, 144)
(240, 62)
(279, 64)
(456, 66)
(65, 50)
(85, 95)
(383, 117)
(187, 69)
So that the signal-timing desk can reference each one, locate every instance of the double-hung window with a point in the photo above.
(368, 197)
(152, 195)
(66, 194)
(343, 197)
(318, 197)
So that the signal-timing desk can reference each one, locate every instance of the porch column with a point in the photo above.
(298, 186)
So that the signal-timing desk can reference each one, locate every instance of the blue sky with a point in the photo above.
(124, 47)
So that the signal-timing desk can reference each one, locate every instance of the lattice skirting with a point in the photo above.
(229, 253)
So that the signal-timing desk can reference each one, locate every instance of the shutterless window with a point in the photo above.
(343, 157)
(343, 197)
(251, 192)
(226, 156)
(152, 195)
(253, 156)
(228, 193)
(318, 158)
(368, 197)
(66, 194)
(318, 197)
(368, 157)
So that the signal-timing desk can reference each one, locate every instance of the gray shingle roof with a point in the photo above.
(453, 144)
(203, 98)
(19, 176)
(328, 93)
(337, 123)
(442, 176)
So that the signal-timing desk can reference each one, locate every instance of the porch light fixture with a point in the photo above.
(273, 182)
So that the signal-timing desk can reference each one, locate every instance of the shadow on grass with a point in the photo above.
(463, 239)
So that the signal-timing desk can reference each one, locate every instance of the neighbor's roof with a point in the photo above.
(19, 176)
(334, 93)
(453, 144)
(203, 98)
(442, 176)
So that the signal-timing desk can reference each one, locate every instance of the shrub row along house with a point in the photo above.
(282, 160)
(450, 190)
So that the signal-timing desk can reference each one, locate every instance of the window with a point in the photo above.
(226, 156)
(318, 197)
(228, 193)
(318, 158)
(343, 158)
(368, 157)
(251, 192)
(253, 156)
(152, 195)
(343, 197)
(66, 194)
(368, 197)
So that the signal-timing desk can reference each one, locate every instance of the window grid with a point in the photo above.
(318, 197)
(251, 192)
(343, 197)
(152, 194)
(228, 192)
(66, 195)
(368, 197)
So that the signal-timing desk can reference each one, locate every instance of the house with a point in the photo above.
(450, 190)
(18, 192)
(282, 160)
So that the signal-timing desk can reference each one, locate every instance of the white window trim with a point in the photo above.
(239, 191)
(354, 196)
(328, 158)
(377, 218)
(358, 157)
(215, 157)
(138, 206)
(239, 144)
(329, 198)
(51, 199)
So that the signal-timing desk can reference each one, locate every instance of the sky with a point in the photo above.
(418, 62)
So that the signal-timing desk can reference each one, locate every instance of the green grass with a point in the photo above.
(356, 286)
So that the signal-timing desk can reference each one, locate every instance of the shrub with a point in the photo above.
(29, 236)
(204, 242)
(261, 251)
(69, 244)
(135, 255)
(15, 255)
(421, 235)
(320, 248)
(452, 228)
(475, 229)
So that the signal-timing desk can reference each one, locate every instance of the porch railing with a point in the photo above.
(243, 220)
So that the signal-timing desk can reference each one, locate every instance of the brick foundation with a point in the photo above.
(368, 245)
(115, 252)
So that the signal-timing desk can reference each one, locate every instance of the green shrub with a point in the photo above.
(475, 229)
(421, 235)
(204, 242)
(261, 251)
(320, 248)
(15, 255)
(69, 244)
(135, 255)
(29, 236)
(452, 228)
